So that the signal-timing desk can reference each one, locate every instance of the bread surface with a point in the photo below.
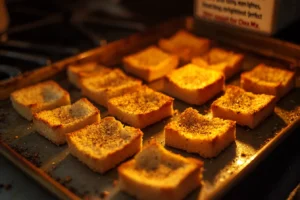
(80, 71)
(103, 145)
(265, 79)
(185, 45)
(196, 133)
(218, 59)
(142, 107)
(156, 173)
(193, 84)
(46, 95)
(243, 107)
(150, 64)
(102, 88)
(55, 124)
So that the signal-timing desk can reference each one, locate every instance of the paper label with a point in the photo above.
(250, 14)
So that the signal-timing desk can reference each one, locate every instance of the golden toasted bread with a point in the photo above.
(185, 45)
(193, 84)
(101, 88)
(221, 60)
(79, 71)
(42, 96)
(142, 107)
(196, 133)
(54, 124)
(156, 173)
(243, 107)
(264, 79)
(102, 146)
(150, 64)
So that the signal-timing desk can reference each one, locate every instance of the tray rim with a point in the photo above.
(46, 181)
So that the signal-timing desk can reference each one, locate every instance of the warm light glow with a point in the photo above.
(240, 161)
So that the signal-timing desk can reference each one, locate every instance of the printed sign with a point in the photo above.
(251, 14)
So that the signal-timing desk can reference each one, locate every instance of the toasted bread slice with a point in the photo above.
(264, 79)
(79, 71)
(156, 173)
(54, 124)
(42, 96)
(243, 107)
(142, 107)
(115, 83)
(150, 64)
(102, 146)
(221, 60)
(193, 84)
(196, 133)
(185, 45)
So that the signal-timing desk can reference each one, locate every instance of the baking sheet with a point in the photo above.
(220, 174)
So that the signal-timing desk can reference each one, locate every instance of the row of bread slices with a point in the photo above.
(104, 143)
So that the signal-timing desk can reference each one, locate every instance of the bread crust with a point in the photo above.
(185, 45)
(245, 108)
(208, 145)
(264, 79)
(55, 124)
(227, 62)
(46, 95)
(140, 64)
(103, 163)
(132, 113)
(212, 84)
(185, 181)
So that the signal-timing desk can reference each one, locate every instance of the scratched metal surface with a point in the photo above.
(20, 134)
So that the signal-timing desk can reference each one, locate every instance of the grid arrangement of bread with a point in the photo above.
(103, 145)
(142, 107)
(101, 88)
(265, 79)
(156, 173)
(196, 133)
(150, 64)
(185, 45)
(55, 124)
(193, 84)
(243, 107)
(77, 72)
(42, 96)
(218, 59)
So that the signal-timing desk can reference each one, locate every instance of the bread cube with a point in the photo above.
(196, 133)
(264, 79)
(218, 59)
(55, 124)
(102, 146)
(102, 88)
(42, 96)
(141, 108)
(185, 45)
(150, 64)
(194, 85)
(245, 108)
(80, 71)
(156, 173)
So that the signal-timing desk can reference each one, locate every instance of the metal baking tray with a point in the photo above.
(67, 178)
